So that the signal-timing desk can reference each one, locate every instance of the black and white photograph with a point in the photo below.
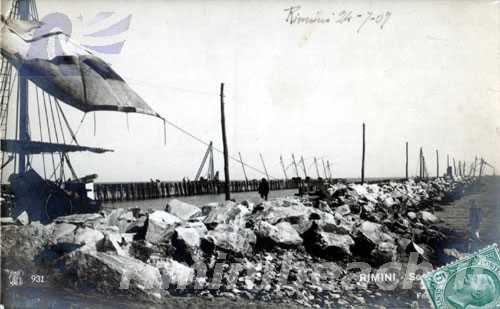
(249, 154)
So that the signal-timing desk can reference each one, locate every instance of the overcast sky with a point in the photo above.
(431, 77)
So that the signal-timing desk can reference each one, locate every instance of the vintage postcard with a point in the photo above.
(249, 154)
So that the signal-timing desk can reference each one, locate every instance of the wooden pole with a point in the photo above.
(454, 168)
(406, 165)
(303, 166)
(264, 165)
(224, 145)
(329, 169)
(283, 166)
(437, 163)
(295, 165)
(317, 170)
(475, 166)
(211, 162)
(363, 157)
(243, 167)
(324, 168)
(421, 164)
(424, 171)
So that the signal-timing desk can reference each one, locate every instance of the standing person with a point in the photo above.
(264, 188)
(474, 225)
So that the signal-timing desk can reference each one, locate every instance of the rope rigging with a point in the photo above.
(214, 148)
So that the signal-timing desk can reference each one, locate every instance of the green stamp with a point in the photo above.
(470, 282)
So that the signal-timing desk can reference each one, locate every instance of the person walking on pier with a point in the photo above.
(264, 188)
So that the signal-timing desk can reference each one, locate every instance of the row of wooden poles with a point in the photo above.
(148, 190)
(116, 192)
(475, 168)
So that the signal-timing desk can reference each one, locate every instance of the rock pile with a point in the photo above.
(284, 250)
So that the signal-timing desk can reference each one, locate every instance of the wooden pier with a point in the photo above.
(133, 191)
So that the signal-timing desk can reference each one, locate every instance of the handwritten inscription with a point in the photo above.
(295, 16)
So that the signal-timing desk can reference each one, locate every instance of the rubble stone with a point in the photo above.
(161, 226)
(23, 218)
(373, 223)
(22, 245)
(80, 219)
(227, 214)
(183, 210)
(328, 245)
(175, 274)
(281, 234)
(232, 238)
(427, 217)
(110, 272)
(374, 232)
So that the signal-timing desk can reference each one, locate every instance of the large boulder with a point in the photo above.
(282, 234)
(62, 232)
(207, 208)
(67, 237)
(237, 240)
(88, 237)
(21, 245)
(365, 192)
(107, 273)
(385, 252)
(90, 219)
(328, 245)
(191, 235)
(123, 218)
(427, 217)
(183, 210)
(111, 243)
(138, 226)
(343, 210)
(23, 218)
(371, 238)
(187, 241)
(161, 226)
(374, 232)
(229, 213)
(175, 274)
(337, 223)
(334, 243)
(299, 216)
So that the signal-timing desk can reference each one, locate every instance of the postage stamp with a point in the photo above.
(470, 282)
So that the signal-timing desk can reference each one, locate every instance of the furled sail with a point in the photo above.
(66, 70)
(32, 147)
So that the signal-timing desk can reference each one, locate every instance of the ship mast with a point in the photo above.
(23, 13)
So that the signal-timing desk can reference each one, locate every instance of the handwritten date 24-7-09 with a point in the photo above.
(294, 16)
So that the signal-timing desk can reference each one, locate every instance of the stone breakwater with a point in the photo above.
(289, 250)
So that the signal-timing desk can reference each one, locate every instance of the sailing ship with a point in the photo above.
(34, 74)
